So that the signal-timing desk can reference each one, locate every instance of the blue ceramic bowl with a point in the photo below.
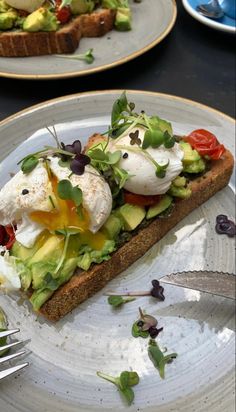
(229, 7)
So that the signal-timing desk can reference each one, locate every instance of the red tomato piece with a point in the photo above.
(205, 143)
(11, 236)
(63, 14)
(141, 200)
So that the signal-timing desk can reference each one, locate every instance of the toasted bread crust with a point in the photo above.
(65, 40)
(83, 285)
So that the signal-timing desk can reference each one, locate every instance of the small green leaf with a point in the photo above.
(123, 383)
(64, 163)
(157, 357)
(64, 189)
(97, 154)
(114, 157)
(119, 130)
(29, 164)
(117, 301)
(121, 176)
(77, 195)
(137, 331)
(157, 138)
(131, 378)
(128, 394)
(161, 170)
(147, 141)
(153, 138)
(119, 106)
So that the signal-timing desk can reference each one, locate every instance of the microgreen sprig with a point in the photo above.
(66, 191)
(158, 358)
(124, 383)
(87, 57)
(70, 156)
(158, 131)
(106, 161)
(117, 301)
(157, 291)
(145, 326)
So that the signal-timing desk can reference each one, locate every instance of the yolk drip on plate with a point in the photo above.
(65, 215)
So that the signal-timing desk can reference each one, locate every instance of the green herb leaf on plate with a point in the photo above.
(124, 382)
(158, 358)
(117, 300)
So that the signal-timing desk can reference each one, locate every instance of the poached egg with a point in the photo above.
(31, 202)
(26, 5)
(143, 180)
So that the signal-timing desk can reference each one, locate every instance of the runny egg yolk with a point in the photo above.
(65, 216)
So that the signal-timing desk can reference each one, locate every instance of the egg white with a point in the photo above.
(143, 179)
(15, 206)
(9, 276)
(26, 5)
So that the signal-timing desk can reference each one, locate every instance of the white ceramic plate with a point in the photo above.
(64, 357)
(152, 21)
(226, 23)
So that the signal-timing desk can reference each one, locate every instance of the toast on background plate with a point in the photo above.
(73, 218)
(38, 27)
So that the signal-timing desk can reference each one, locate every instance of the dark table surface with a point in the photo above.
(194, 61)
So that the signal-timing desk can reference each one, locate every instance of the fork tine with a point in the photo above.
(10, 371)
(6, 333)
(10, 345)
(10, 357)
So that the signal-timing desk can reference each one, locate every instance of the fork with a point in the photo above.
(9, 371)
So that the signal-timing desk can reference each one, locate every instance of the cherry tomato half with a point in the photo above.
(63, 14)
(11, 236)
(205, 143)
(141, 200)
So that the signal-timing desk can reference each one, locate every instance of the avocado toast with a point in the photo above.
(111, 223)
(54, 27)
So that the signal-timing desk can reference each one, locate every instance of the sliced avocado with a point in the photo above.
(195, 167)
(25, 279)
(82, 6)
(51, 250)
(110, 4)
(123, 19)
(190, 155)
(131, 215)
(41, 20)
(182, 192)
(180, 181)
(22, 252)
(7, 20)
(39, 297)
(112, 227)
(162, 205)
(39, 270)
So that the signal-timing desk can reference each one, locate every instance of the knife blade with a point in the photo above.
(216, 283)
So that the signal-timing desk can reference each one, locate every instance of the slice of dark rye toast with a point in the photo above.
(65, 40)
(82, 285)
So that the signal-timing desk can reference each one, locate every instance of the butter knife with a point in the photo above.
(216, 283)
